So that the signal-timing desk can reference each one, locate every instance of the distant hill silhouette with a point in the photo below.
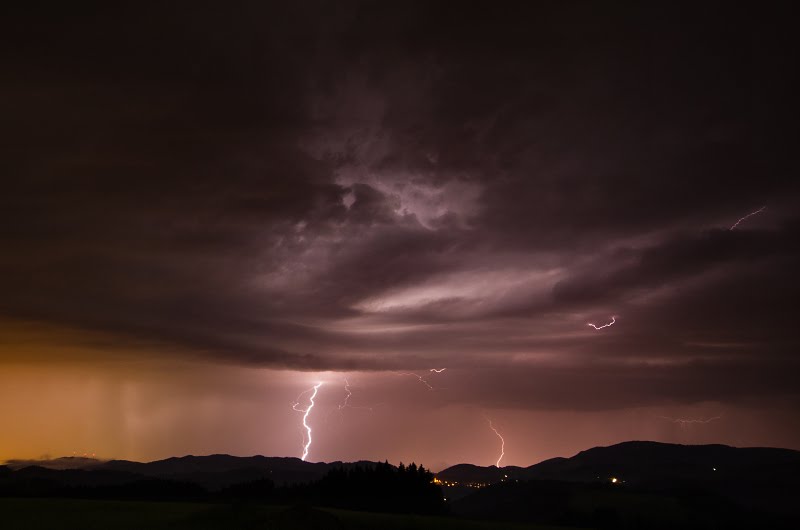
(366, 486)
(470, 473)
(65, 462)
(657, 486)
(643, 462)
(217, 471)
(212, 472)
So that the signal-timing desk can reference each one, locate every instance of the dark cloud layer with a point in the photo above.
(398, 186)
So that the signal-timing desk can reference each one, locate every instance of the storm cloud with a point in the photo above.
(373, 187)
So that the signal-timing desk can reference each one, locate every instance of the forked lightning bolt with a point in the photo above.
(751, 214)
(306, 411)
(502, 442)
(613, 321)
(422, 379)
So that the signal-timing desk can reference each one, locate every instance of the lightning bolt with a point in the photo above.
(502, 443)
(684, 422)
(613, 321)
(751, 214)
(421, 379)
(343, 404)
(306, 411)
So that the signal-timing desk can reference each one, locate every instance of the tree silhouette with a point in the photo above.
(378, 488)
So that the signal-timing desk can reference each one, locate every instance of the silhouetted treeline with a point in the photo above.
(371, 487)
(380, 488)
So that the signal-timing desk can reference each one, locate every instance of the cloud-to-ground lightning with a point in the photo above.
(613, 321)
(502, 442)
(684, 422)
(306, 411)
(751, 214)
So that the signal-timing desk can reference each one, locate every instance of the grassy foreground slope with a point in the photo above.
(69, 514)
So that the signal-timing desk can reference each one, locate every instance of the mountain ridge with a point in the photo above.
(636, 460)
(631, 460)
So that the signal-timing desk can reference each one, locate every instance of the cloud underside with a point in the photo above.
(362, 192)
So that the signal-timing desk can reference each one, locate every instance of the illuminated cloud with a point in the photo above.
(319, 193)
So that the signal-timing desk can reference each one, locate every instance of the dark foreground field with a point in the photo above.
(69, 514)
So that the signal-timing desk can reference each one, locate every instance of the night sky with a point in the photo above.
(206, 209)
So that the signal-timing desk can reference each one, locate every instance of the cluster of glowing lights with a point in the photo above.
(454, 483)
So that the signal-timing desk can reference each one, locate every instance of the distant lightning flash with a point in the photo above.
(502, 442)
(751, 214)
(306, 411)
(437, 370)
(343, 404)
(684, 422)
(613, 321)
(421, 379)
